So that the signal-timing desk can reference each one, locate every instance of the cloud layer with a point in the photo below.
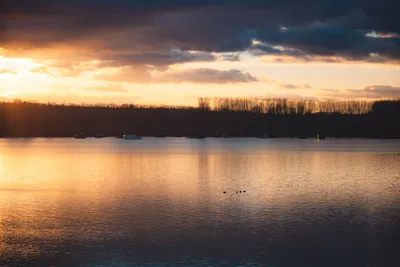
(113, 88)
(141, 37)
(148, 32)
(379, 91)
(196, 76)
(7, 71)
(204, 76)
(368, 92)
(292, 86)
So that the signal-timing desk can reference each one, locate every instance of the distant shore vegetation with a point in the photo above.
(234, 116)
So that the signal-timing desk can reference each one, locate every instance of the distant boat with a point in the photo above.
(131, 137)
(266, 135)
(218, 135)
(196, 137)
(303, 136)
(120, 135)
(321, 137)
(99, 136)
(80, 136)
(160, 135)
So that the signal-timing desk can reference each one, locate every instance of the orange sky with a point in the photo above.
(26, 78)
(145, 52)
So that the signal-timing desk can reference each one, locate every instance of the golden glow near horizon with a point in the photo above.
(147, 53)
(34, 80)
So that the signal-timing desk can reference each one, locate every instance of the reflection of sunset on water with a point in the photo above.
(88, 192)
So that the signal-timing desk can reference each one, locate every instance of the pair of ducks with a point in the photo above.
(244, 191)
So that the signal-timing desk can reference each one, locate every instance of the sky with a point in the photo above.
(172, 52)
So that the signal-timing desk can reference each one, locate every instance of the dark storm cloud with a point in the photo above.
(147, 31)
(154, 59)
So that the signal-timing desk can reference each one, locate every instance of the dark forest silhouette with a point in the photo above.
(235, 116)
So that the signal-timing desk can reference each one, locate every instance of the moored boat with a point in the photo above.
(131, 137)
(160, 135)
(80, 136)
(196, 137)
(302, 136)
(267, 135)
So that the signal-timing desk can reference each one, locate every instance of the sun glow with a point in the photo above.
(10, 95)
(18, 64)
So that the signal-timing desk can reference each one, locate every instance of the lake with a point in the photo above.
(161, 202)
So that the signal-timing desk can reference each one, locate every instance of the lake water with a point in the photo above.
(160, 202)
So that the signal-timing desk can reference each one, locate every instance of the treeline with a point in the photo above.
(20, 102)
(235, 116)
(285, 106)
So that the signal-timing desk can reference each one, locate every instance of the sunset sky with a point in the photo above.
(172, 52)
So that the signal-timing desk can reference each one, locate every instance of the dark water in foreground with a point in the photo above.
(160, 202)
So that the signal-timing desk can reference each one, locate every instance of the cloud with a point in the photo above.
(288, 86)
(207, 76)
(160, 33)
(308, 58)
(229, 56)
(160, 59)
(60, 87)
(59, 69)
(381, 91)
(330, 90)
(42, 70)
(7, 71)
(116, 88)
(146, 75)
(368, 92)
(292, 86)
(132, 74)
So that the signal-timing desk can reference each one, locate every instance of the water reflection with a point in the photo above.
(108, 203)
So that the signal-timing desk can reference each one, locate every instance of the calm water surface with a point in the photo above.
(160, 202)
